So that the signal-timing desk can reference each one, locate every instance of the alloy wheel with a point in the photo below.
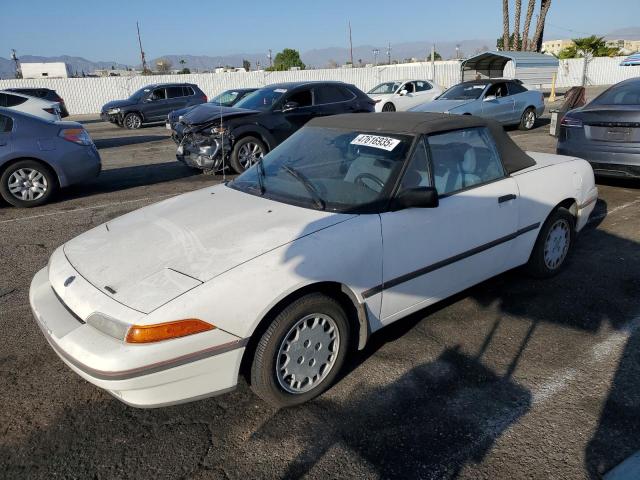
(529, 119)
(307, 353)
(557, 243)
(27, 184)
(249, 153)
(132, 121)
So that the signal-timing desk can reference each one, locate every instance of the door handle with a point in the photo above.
(506, 198)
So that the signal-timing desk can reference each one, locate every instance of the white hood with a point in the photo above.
(152, 255)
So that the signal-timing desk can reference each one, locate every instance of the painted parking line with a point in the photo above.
(627, 470)
(81, 209)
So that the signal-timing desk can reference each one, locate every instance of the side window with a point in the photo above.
(409, 87)
(418, 173)
(515, 88)
(464, 158)
(174, 92)
(13, 100)
(6, 124)
(422, 86)
(3, 99)
(331, 94)
(187, 91)
(301, 97)
(498, 90)
(158, 94)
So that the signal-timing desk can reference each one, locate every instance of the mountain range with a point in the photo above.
(315, 58)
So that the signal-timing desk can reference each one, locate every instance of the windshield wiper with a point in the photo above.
(317, 199)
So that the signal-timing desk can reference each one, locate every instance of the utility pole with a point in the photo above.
(270, 59)
(457, 52)
(142, 59)
(15, 59)
(433, 62)
(389, 54)
(350, 45)
(375, 56)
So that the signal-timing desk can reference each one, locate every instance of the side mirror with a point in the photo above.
(403, 92)
(488, 98)
(419, 197)
(290, 106)
(149, 99)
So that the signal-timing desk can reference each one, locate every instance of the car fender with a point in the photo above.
(255, 130)
(348, 253)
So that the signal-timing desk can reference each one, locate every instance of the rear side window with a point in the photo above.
(464, 158)
(422, 86)
(174, 92)
(6, 124)
(188, 91)
(12, 100)
(515, 88)
(332, 94)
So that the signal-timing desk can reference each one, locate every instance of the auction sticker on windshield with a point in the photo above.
(375, 141)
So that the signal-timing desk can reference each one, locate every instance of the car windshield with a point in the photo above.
(262, 99)
(226, 99)
(626, 94)
(463, 92)
(384, 88)
(138, 94)
(329, 169)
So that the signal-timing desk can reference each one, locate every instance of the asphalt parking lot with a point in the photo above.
(514, 378)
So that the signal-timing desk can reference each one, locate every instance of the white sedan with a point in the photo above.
(402, 95)
(351, 224)
(31, 105)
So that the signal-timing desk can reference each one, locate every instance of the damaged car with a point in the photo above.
(213, 137)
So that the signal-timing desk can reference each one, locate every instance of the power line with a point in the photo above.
(547, 23)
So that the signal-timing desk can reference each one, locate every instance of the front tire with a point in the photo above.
(388, 107)
(27, 183)
(300, 354)
(528, 119)
(246, 152)
(132, 121)
(553, 244)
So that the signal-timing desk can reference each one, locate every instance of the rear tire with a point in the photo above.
(528, 119)
(553, 244)
(388, 107)
(28, 183)
(246, 152)
(300, 354)
(132, 121)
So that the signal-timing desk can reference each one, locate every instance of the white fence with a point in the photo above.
(87, 95)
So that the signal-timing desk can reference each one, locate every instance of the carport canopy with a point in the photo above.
(530, 67)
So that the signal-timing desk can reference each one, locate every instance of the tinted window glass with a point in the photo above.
(463, 158)
(409, 87)
(159, 94)
(302, 98)
(13, 100)
(331, 94)
(3, 99)
(627, 94)
(174, 92)
(262, 99)
(422, 86)
(6, 123)
(515, 88)
(498, 90)
(418, 172)
(188, 91)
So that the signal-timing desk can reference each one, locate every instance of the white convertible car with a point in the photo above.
(402, 95)
(351, 224)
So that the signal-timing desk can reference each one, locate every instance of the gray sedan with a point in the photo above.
(37, 157)
(506, 101)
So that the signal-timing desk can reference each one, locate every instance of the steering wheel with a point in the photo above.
(368, 176)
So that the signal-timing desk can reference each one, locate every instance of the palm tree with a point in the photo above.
(516, 26)
(527, 23)
(505, 25)
(537, 37)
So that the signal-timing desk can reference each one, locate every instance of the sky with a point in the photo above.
(106, 29)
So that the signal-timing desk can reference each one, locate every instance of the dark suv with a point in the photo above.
(209, 135)
(152, 104)
(45, 94)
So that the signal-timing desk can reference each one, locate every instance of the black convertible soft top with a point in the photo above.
(424, 123)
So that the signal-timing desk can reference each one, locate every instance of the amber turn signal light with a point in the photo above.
(166, 331)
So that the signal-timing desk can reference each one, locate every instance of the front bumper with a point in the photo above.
(113, 118)
(205, 154)
(144, 375)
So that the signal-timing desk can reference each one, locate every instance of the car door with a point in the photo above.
(520, 101)
(155, 107)
(406, 100)
(332, 100)
(6, 126)
(499, 108)
(294, 110)
(424, 92)
(432, 253)
(176, 99)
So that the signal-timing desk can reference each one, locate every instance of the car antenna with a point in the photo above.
(224, 166)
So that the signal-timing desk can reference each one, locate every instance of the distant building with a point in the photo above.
(108, 72)
(625, 46)
(45, 70)
(556, 46)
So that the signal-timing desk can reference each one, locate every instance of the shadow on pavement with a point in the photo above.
(104, 143)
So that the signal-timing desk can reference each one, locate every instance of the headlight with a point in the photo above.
(113, 111)
(147, 333)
